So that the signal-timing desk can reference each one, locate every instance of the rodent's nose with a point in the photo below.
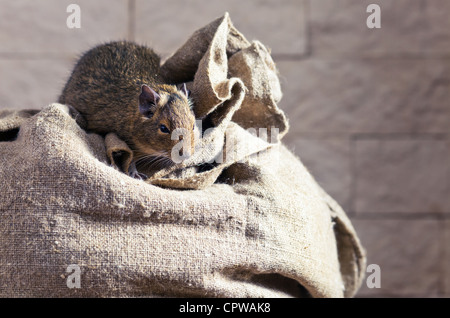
(182, 148)
(182, 151)
(188, 147)
(185, 153)
(187, 156)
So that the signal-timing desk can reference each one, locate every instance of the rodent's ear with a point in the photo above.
(148, 94)
(147, 100)
(184, 89)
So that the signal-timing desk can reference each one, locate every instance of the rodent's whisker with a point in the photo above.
(149, 161)
(143, 156)
(154, 162)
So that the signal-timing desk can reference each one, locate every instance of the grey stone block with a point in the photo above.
(166, 25)
(409, 253)
(408, 27)
(333, 96)
(406, 175)
(32, 83)
(39, 27)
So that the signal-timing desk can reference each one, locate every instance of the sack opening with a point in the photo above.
(9, 135)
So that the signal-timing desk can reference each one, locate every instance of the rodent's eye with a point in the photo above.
(193, 127)
(164, 129)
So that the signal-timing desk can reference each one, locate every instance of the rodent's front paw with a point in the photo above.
(132, 172)
(137, 175)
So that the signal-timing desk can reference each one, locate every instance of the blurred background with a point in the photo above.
(369, 109)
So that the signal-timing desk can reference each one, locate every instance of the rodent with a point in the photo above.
(117, 87)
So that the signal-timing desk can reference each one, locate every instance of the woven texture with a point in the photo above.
(255, 224)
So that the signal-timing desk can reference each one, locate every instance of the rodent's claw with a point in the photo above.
(132, 172)
(137, 175)
(142, 176)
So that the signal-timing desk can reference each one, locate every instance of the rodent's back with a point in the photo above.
(105, 83)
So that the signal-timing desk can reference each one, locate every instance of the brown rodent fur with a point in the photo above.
(117, 88)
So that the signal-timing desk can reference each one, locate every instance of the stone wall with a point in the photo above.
(369, 108)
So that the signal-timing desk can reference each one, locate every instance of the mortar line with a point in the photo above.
(374, 135)
(380, 56)
(131, 20)
(402, 136)
(308, 33)
(287, 57)
(353, 177)
(441, 216)
(36, 56)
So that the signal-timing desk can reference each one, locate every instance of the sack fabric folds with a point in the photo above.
(242, 218)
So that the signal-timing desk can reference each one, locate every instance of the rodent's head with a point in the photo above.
(164, 132)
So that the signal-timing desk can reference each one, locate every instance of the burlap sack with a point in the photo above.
(253, 224)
